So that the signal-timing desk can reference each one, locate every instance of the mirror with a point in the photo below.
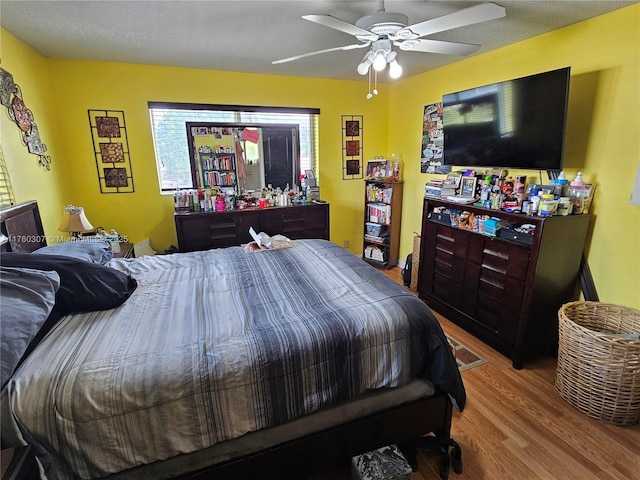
(235, 156)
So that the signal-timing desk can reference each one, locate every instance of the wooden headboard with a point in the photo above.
(21, 228)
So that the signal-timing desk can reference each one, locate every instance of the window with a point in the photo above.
(168, 124)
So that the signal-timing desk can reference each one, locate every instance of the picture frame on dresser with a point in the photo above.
(453, 180)
(468, 187)
(377, 169)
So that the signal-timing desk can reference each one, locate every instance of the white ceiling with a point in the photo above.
(246, 36)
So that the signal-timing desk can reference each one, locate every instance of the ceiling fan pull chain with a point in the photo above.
(375, 82)
(369, 86)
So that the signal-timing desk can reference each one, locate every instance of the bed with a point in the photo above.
(222, 362)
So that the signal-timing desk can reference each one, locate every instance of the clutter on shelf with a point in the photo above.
(216, 199)
(498, 191)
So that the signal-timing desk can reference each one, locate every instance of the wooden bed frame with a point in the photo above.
(21, 228)
(21, 231)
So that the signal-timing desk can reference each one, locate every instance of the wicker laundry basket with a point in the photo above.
(598, 363)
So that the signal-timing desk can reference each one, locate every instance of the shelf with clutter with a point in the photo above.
(382, 214)
(504, 206)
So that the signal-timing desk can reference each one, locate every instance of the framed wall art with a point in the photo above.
(352, 136)
(111, 151)
(11, 98)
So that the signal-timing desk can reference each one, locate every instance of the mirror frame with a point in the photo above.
(196, 176)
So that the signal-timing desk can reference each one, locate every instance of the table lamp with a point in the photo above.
(74, 221)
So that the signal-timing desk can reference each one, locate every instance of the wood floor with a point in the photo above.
(516, 426)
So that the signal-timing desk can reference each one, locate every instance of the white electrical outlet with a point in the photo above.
(347, 244)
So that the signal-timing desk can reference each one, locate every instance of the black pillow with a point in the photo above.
(84, 286)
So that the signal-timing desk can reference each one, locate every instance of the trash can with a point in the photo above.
(599, 360)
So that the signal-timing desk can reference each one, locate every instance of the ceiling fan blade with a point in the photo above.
(438, 46)
(327, 50)
(337, 24)
(468, 16)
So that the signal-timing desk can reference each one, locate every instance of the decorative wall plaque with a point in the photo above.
(352, 135)
(11, 98)
(352, 147)
(108, 127)
(111, 151)
(115, 177)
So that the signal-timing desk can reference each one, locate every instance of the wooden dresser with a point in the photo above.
(505, 292)
(203, 231)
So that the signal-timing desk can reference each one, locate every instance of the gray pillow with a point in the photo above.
(90, 250)
(27, 297)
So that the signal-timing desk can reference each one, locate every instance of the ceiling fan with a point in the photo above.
(383, 30)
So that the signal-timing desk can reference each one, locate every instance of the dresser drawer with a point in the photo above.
(505, 258)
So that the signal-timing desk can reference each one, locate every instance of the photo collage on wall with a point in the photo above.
(432, 140)
(111, 150)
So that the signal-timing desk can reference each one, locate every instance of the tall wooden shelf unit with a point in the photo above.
(506, 293)
(382, 216)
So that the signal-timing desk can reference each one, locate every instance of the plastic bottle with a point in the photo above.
(485, 192)
(535, 202)
(578, 182)
(200, 200)
(207, 201)
(221, 206)
(115, 241)
(547, 205)
(577, 195)
(561, 184)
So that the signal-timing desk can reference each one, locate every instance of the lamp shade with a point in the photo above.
(74, 220)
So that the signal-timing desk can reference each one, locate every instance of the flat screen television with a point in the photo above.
(517, 123)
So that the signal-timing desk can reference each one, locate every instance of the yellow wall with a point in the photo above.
(602, 133)
(602, 140)
(29, 180)
(82, 85)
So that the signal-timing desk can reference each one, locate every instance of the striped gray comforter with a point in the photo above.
(216, 344)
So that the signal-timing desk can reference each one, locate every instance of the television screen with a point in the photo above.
(518, 123)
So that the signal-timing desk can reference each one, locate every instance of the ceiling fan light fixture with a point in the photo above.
(363, 66)
(380, 32)
(379, 61)
(395, 69)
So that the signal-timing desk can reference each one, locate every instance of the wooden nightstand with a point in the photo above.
(126, 251)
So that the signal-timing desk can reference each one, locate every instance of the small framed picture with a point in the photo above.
(453, 180)
(377, 168)
(310, 177)
(468, 187)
